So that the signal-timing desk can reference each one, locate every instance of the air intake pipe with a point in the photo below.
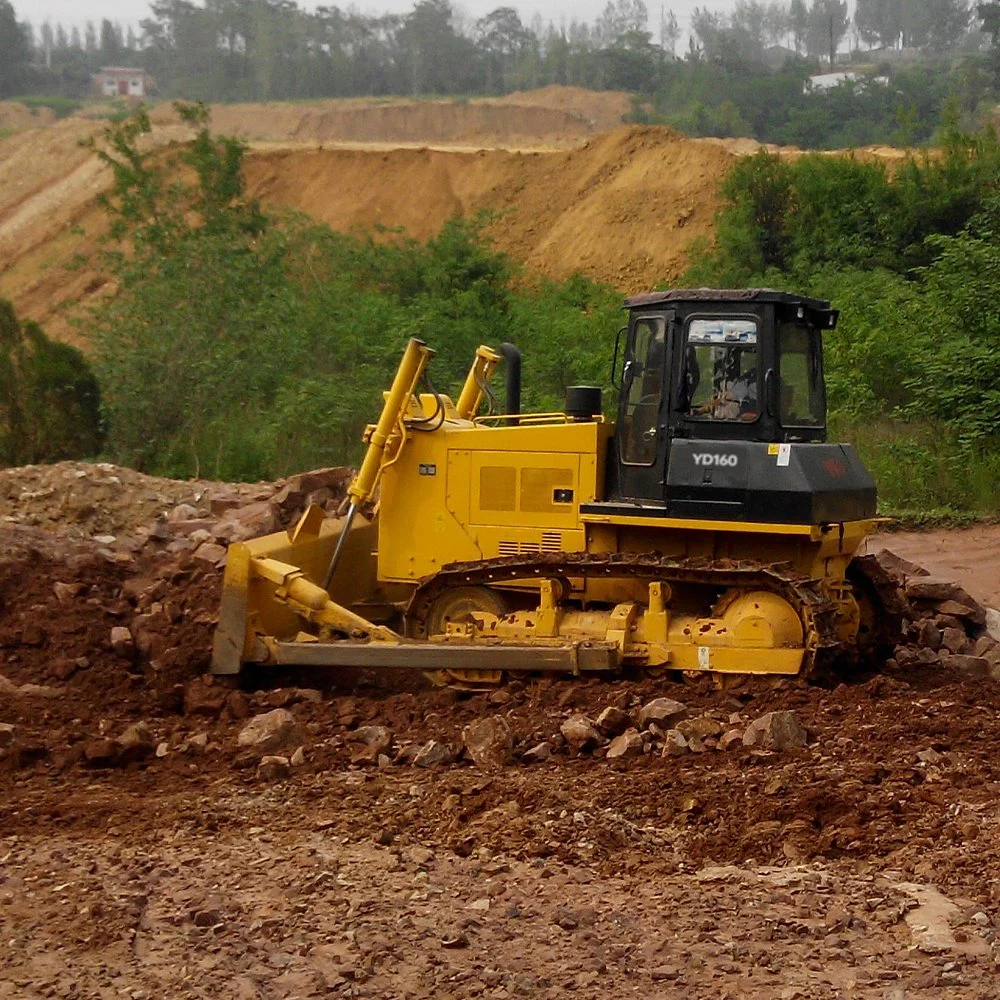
(512, 363)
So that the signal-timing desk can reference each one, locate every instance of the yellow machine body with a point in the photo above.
(478, 560)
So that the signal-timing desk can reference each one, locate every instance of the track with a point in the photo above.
(816, 610)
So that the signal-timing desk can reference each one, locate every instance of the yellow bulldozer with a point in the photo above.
(709, 528)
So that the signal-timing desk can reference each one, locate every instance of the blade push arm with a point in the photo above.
(411, 368)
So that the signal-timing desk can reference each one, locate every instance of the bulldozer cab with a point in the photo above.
(714, 367)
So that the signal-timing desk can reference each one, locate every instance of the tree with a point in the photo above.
(503, 39)
(670, 31)
(731, 40)
(828, 23)
(935, 24)
(798, 18)
(878, 21)
(621, 17)
(989, 16)
(111, 43)
(15, 52)
(439, 60)
(49, 399)
(48, 43)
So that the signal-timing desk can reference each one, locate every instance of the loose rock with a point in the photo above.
(973, 667)
(700, 727)
(210, 553)
(135, 743)
(538, 753)
(629, 744)
(614, 721)
(731, 738)
(775, 731)
(580, 733)
(273, 768)
(122, 642)
(489, 742)
(663, 711)
(273, 730)
(379, 738)
(674, 743)
(432, 754)
(205, 696)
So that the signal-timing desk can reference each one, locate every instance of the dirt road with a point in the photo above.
(969, 555)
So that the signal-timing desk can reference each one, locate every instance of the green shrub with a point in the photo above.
(245, 346)
(49, 399)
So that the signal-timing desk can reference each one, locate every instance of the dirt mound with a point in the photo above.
(623, 208)
(14, 115)
(548, 117)
(81, 500)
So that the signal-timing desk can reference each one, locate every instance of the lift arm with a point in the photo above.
(411, 368)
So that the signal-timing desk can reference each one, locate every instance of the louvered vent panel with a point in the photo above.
(511, 548)
(551, 541)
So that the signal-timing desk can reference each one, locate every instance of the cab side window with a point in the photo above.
(643, 387)
(801, 399)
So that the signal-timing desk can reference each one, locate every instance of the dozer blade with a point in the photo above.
(254, 603)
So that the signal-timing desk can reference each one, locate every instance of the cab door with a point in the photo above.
(641, 435)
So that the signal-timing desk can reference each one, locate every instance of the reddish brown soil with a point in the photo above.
(740, 873)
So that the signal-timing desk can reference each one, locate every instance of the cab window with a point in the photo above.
(644, 390)
(801, 397)
(720, 370)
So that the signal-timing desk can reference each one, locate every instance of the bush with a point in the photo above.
(49, 400)
(245, 346)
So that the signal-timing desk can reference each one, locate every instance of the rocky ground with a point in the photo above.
(165, 835)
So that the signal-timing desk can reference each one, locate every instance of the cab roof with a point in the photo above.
(820, 312)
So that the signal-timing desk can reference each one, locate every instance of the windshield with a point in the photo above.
(721, 370)
(802, 400)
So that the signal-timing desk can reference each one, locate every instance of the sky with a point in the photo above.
(133, 11)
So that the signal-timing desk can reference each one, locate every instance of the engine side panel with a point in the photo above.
(477, 492)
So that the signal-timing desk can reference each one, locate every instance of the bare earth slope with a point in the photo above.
(621, 206)
(573, 189)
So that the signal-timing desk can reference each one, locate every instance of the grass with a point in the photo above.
(925, 476)
(6, 133)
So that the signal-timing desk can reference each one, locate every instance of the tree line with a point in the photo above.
(232, 50)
